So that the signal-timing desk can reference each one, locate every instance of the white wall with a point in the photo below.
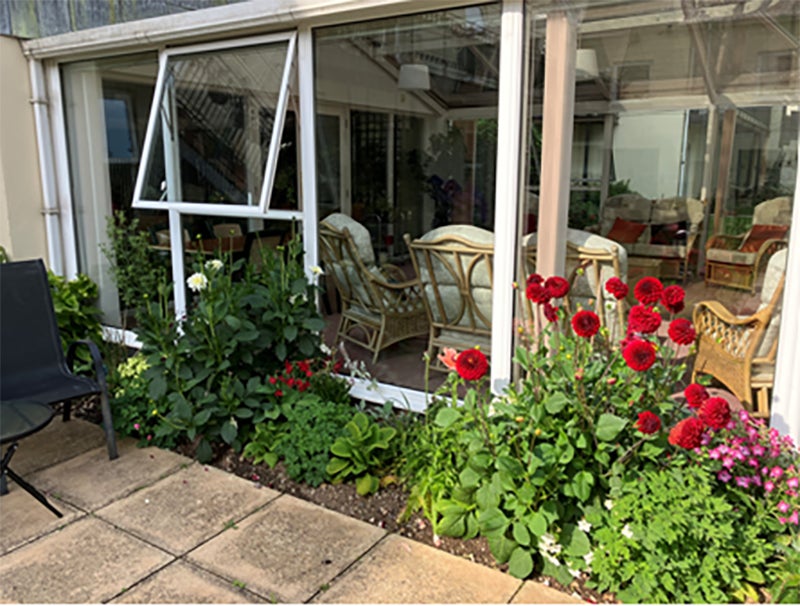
(20, 187)
(647, 150)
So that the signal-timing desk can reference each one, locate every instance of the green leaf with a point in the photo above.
(204, 452)
(367, 484)
(575, 541)
(234, 322)
(290, 332)
(202, 417)
(521, 534)
(582, 484)
(520, 564)
(280, 351)
(492, 522)
(556, 402)
(228, 432)
(609, 426)
(335, 465)
(157, 388)
(537, 524)
(446, 417)
(501, 547)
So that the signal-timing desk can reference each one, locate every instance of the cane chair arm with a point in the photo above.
(394, 273)
(737, 336)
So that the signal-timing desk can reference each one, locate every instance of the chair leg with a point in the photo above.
(6, 470)
(108, 426)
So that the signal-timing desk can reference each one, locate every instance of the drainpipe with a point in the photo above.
(44, 144)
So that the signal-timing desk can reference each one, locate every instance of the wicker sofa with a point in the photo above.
(663, 232)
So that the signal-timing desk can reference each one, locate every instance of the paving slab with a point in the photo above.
(91, 481)
(187, 508)
(402, 571)
(88, 561)
(57, 442)
(23, 519)
(288, 550)
(537, 593)
(182, 583)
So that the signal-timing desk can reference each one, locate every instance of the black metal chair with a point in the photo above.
(32, 362)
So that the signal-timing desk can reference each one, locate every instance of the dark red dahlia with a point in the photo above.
(585, 323)
(535, 279)
(648, 290)
(648, 422)
(687, 433)
(643, 319)
(695, 395)
(550, 312)
(715, 412)
(639, 354)
(537, 293)
(471, 364)
(681, 331)
(617, 288)
(556, 286)
(672, 298)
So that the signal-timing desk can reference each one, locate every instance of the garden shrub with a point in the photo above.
(76, 314)
(208, 375)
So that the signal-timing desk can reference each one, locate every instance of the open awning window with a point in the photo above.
(215, 127)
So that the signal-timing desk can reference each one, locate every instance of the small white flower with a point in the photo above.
(556, 548)
(574, 573)
(608, 504)
(197, 282)
(627, 532)
(325, 349)
(214, 265)
(588, 558)
(316, 270)
(552, 559)
(584, 525)
(302, 296)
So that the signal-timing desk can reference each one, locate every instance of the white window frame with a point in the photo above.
(261, 210)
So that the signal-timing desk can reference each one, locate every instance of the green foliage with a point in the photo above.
(136, 268)
(131, 404)
(360, 452)
(301, 436)
(785, 589)
(671, 537)
(208, 379)
(4, 256)
(77, 317)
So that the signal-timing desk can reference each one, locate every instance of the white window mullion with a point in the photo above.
(308, 146)
(509, 152)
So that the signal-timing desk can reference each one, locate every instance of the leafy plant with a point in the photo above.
(360, 452)
(77, 317)
(132, 407)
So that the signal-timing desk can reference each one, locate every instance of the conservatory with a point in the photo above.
(433, 154)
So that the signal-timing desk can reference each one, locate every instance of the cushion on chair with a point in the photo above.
(625, 231)
(668, 233)
(775, 269)
(731, 256)
(761, 233)
(359, 233)
(777, 211)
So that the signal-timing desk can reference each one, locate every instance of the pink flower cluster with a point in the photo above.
(759, 460)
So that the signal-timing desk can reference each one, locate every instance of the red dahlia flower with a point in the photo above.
(681, 331)
(672, 298)
(643, 320)
(585, 323)
(550, 312)
(617, 288)
(687, 433)
(534, 279)
(556, 287)
(648, 290)
(537, 293)
(639, 354)
(715, 412)
(648, 422)
(471, 364)
(695, 395)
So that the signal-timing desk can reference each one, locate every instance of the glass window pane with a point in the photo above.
(215, 124)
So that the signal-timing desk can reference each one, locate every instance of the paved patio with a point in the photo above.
(156, 527)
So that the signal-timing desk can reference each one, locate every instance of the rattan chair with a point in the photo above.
(380, 306)
(739, 351)
(591, 261)
(735, 261)
(454, 266)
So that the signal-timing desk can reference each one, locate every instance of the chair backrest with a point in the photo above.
(777, 211)
(454, 266)
(772, 294)
(678, 209)
(30, 346)
(630, 207)
(600, 259)
(344, 261)
(359, 234)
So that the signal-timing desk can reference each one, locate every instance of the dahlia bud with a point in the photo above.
(579, 374)
(537, 432)
(611, 380)
(520, 419)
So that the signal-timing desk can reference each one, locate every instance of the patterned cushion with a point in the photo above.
(730, 256)
(625, 231)
(761, 233)
(670, 251)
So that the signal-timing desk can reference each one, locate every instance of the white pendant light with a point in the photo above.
(414, 76)
(586, 64)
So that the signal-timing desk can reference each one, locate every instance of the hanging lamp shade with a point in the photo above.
(586, 64)
(414, 76)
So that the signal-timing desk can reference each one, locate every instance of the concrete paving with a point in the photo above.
(156, 527)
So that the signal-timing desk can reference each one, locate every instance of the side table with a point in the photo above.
(18, 419)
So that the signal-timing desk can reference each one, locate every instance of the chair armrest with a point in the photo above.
(97, 360)
(726, 242)
(718, 310)
(393, 272)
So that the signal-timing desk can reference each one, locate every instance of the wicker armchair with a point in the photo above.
(454, 265)
(380, 306)
(740, 351)
(599, 259)
(735, 261)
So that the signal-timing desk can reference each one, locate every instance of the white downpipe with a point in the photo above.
(509, 152)
(785, 412)
(44, 145)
